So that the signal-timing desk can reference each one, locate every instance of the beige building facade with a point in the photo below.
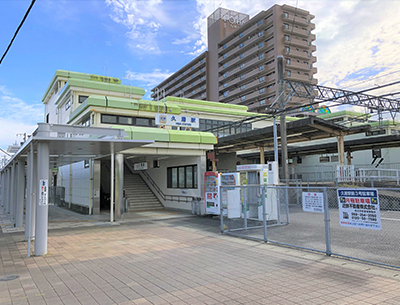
(240, 64)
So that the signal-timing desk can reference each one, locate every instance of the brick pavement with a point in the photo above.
(163, 262)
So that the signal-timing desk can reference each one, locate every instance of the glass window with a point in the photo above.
(181, 177)
(225, 74)
(286, 15)
(243, 98)
(203, 78)
(241, 35)
(288, 73)
(243, 87)
(241, 45)
(286, 26)
(262, 102)
(189, 177)
(262, 79)
(174, 177)
(225, 65)
(242, 55)
(224, 46)
(225, 85)
(260, 22)
(288, 61)
(261, 68)
(287, 49)
(224, 56)
(108, 119)
(142, 122)
(226, 93)
(202, 70)
(125, 120)
(261, 56)
(262, 90)
(183, 73)
(193, 92)
(287, 38)
(261, 44)
(201, 61)
(242, 66)
(82, 98)
(192, 76)
(260, 33)
(242, 76)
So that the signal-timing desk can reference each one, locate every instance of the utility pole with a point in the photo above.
(281, 105)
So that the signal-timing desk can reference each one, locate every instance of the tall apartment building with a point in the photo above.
(240, 64)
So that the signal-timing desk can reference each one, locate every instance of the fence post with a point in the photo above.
(327, 224)
(245, 207)
(221, 210)
(263, 201)
(287, 202)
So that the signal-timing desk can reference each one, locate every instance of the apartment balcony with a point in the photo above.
(299, 54)
(250, 31)
(295, 42)
(299, 20)
(299, 66)
(296, 31)
(300, 77)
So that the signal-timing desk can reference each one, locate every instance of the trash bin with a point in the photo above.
(196, 206)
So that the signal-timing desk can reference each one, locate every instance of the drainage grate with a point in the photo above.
(9, 278)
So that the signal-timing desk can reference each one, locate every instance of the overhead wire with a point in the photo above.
(16, 32)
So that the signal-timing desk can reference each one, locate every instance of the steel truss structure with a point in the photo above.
(317, 94)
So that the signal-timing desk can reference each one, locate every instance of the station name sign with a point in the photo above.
(177, 120)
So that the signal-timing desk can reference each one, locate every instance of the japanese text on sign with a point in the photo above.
(43, 192)
(177, 120)
(313, 202)
(359, 208)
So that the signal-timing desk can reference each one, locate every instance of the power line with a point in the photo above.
(16, 32)
(372, 78)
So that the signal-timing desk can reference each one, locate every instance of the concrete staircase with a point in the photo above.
(140, 195)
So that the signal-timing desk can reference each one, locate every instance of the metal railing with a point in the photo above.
(315, 218)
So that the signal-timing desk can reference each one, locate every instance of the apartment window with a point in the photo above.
(241, 45)
(241, 35)
(308, 32)
(82, 98)
(261, 68)
(287, 38)
(225, 85)
(192, 84)
(271, 85)
(203, 87)
(182, 177)
(288, 73)
(286, 26)
(68, 104)
(183, 89)
(242, 76)
(203, 95)
(287, 49)
(261, 44)
(308, 54)
(243, 98)
(225, 65)
(183, 81)
(241, 55)
(86, 122)
(192, 76)
(224, 56)
(310, 77)
(260, 22)
(226, 93)
(224, 46)
(176, 86)
(307, 21)
(203, 78)
(308, 43)
(262, 79)
(243, 87)
(288, 61)
(108, 119)
(262, 90)
(261, 56)
(125, 120)
(193, 92)
(225, 74)
(286, 15)
(192, 68)
(175, 78)
(201, 61)
(242, 66)
(202, 70)
(260, 33)
(262, 102)
(183, 73)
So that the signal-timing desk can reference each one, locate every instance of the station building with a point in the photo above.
(165, 173)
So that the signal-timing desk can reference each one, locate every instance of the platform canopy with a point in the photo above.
(301, 130)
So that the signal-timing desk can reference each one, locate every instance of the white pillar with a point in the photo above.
(42, 191)
(20, 193)
(112, 185)
(30, 197)
(12, 194)
(119, 185)
(3, 181)
(6, 191)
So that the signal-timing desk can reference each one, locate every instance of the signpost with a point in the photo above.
(359, 208)
(177, 120)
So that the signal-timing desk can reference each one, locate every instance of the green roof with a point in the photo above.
(92, 78)
(205, 103)
(342, 113)
(167, 135)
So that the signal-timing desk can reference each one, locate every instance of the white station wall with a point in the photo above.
(80, 181)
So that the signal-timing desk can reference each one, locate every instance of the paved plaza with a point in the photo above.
(166, 257)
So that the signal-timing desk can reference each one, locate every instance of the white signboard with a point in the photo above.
(313, 202)
(176, 120)
(359, 208)
(44, 192)
(140, 166)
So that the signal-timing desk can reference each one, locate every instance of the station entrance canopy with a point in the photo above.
(52, 146)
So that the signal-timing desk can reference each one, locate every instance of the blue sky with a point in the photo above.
(149, 39)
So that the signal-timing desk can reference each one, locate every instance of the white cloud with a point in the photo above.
(148, 80)
(143, 19)
(16, 117)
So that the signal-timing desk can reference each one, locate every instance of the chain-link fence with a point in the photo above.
(317, 218)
